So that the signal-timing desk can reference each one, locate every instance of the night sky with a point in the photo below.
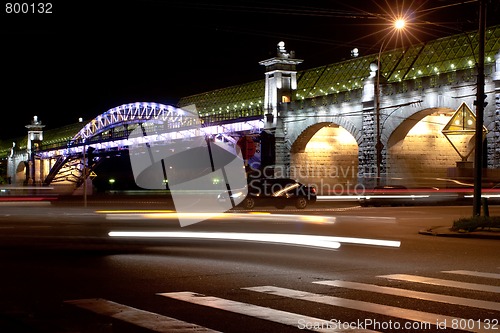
(87, 57)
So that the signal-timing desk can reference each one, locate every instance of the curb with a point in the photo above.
(446, 232)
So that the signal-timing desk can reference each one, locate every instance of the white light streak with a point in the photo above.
(397, 196)
(339, 197)
(484, 196)
(368, 197)
(288, 239)
(329, 242)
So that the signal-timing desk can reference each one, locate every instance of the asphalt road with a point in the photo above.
(60, 267)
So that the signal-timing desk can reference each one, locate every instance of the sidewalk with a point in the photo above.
(493, 233)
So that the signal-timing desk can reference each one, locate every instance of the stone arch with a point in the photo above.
(401, 128)
(309, 126)
(299, 145)
(418, 154)
(326, 155)
(21, 167)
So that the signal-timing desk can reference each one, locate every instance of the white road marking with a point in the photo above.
(480, 304)
(145, 319)
(277, 316)
(474, 273)
(443, 283)
(386, 310)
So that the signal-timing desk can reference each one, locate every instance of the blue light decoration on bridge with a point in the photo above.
(134, 113)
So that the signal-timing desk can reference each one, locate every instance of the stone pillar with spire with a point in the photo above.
(35, 137)
(280, 84)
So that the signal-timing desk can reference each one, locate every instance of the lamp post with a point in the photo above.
(478, 156)
(399, 25)
(378, 145)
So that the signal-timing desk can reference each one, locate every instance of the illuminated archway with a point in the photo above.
(418, 154)
(326, 155)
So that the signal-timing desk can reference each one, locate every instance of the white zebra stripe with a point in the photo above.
(277, 316)
(137, 317)
(480, 304)
(443, 283)
(474, 273)
(386, 310)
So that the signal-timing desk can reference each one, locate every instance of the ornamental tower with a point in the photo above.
(35, 138)
(281, 82)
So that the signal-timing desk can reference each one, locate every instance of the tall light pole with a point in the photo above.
(378, 145)
(478, 156)
(399, 25)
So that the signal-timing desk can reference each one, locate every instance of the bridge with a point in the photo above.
(319, 125)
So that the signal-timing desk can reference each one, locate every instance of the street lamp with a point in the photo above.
(478, 158)
(399, 25)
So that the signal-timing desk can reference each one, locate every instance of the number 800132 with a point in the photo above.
(28, 8)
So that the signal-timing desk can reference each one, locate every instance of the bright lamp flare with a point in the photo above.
(399, 24)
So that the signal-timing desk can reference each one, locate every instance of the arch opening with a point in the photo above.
(325, 155)
(420, 155)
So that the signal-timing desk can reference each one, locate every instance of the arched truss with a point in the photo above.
(139, 112)
(176, 123)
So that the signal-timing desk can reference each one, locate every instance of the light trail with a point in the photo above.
(260, 216)
(327, 242)
(287, 239)
(136, 211)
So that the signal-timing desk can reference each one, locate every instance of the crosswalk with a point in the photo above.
(141, 318)
(397, 318)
